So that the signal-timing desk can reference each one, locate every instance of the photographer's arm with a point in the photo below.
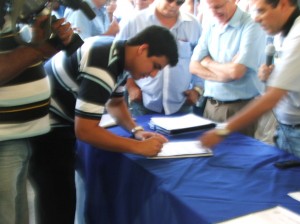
(14, 62)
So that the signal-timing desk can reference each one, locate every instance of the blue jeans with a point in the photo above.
(288, 139)
(14, 157)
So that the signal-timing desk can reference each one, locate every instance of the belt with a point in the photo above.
(214, 101)
(291, 125)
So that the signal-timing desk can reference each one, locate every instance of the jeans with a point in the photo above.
(14, 158)
(288, 139)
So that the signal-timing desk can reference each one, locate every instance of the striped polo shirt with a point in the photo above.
(84, 82)
(24, 101)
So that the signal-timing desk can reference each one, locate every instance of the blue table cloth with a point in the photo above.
(239, 179)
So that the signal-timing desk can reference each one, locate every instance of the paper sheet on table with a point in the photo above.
(295, 195)
(107, 121)
(276, 215)
(181, 149)
(180, 122)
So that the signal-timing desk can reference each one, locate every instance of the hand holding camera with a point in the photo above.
(62, 37)
(33, 25)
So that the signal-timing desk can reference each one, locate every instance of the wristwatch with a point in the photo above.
(199, 90)
(136, 129)
(222, 130)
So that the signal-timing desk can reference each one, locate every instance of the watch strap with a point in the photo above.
(136, 129)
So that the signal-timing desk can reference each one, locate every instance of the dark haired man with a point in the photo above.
(94, 79)
(84, 85)
(279, 17)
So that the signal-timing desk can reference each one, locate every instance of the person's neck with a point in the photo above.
(291, 16)
(233, 10)
(168, 22)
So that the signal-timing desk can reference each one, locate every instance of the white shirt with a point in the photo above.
(286, 75)
(165, 91)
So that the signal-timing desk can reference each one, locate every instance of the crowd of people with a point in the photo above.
(138, 57)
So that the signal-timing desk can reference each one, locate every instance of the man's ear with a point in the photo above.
(284, 3)
(143, 48)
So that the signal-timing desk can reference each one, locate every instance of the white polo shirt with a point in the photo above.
(286, 75)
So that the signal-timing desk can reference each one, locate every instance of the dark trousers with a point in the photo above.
(51, 172)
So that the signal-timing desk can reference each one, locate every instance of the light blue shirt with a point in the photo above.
(86, 27)
(165, 91)
(242, 37)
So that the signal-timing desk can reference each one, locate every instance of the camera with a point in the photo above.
(27, 15)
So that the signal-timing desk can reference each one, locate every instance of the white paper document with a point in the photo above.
(181, 149)
(180, 124)
(107, 121)
(276, 215)
(295, 195)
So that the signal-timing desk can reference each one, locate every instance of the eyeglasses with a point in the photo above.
(178, 2)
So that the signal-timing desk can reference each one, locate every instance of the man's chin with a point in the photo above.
(269, 32)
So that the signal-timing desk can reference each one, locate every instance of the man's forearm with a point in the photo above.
(130, 83)
(13, 63)
(16, 61)
(202, 72)
(224, 72)
(119, 110)
(256, 109)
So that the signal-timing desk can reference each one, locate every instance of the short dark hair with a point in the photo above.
(274, 3)
(160, 40)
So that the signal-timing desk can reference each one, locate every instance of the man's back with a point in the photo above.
(87, 76)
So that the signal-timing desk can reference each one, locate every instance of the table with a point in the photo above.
(239, 179)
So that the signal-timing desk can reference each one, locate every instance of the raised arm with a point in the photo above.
(24, 56)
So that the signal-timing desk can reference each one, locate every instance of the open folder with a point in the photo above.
(182, 149)
(180, 124)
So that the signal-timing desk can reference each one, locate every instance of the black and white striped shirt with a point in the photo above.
(25, 100)
(84, 82)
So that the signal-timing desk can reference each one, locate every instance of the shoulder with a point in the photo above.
(91, 42)
(295, 31)
(241, 19)
(188, 17)
(141, 15)
(94, 48)
(247, 24)
(190, 22)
